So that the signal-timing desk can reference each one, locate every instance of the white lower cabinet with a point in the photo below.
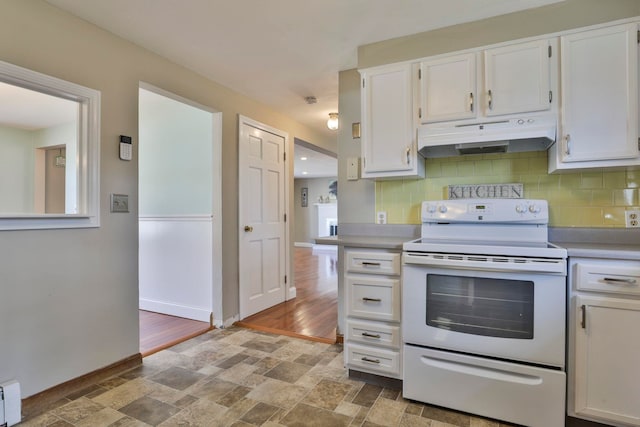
(372, 302)
(604, 347)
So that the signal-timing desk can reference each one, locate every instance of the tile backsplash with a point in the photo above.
(595, 198)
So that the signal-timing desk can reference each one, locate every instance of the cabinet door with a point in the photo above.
(607, 351)
(388, 141)
(599, 95)
(448, 89)
(517, 78)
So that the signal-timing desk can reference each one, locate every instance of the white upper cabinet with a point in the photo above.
(510, 79)
(517, 78)
(599, 83)
(388, 138)
(448, 89)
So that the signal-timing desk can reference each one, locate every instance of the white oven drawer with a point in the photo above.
(373, 298)
(490, 388)
(373, 263)
(375, 360)
(611, 276)
(373, 333)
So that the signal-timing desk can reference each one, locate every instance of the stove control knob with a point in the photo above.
(520, 208)
(442, 209)
(431, 208)
(534, 209)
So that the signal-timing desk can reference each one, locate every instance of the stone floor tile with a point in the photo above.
(386, 412)
(61, 423)
(390, 394)
(262, 345)
(411, 420)
(233, 396)
(367, 395)
(177, 378)
(308, 416)
(127, 421)
(414, 408)
(212, 390)
(78, 409)
(259, 414)
(122, 395)
(43, 420)
(148, 410)
(446, 416)
(231, 361)
(278, 393)
(287, 371)
(201, 413)
(237, 374)
(327, 394)
(481, 422)
(104, 417)
(348, 409)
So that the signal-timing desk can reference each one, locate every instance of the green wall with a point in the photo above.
(581, 199)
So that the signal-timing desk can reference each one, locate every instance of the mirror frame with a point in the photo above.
(88, 151)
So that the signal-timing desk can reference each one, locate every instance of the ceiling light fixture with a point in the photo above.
(332, 123)
(303, 158)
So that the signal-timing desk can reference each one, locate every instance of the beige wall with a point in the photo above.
(543, 20)
(400, 198)
(69, 298)
(305, 218)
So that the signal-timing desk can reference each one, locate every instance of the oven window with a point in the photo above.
(479, 306)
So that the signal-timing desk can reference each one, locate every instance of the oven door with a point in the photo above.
(492, 307)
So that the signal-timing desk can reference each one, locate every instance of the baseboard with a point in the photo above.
(302, 244)
(38, 403)
(175, 310)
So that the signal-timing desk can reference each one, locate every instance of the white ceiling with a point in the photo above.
(278, 51)
(310, 163)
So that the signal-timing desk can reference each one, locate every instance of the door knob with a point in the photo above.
(248, 228)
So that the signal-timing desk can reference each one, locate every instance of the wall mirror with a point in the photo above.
(49, 151)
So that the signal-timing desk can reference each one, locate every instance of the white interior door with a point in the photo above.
(262, 234)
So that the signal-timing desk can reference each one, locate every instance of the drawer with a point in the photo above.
(373, 333)
(373, 298)
(610, 276)
(373, 263)
(375, 360)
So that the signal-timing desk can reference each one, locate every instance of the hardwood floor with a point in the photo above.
(313, 314)
(160, 331)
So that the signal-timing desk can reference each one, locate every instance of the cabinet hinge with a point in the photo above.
(549, 52)
(419, 74)
(284, 155)
(285, 217)
(638, 144)
(363, 83)
(638, 36)
(550, 96)
(419, 113)
(285, 279)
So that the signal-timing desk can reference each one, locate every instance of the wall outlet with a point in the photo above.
(632, 218)
(381, 217)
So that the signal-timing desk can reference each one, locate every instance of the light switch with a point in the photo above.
(119, 203)
(353, 168)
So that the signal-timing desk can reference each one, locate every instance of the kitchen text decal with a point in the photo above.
(486, 191)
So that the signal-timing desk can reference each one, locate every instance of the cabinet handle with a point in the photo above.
(370, 264)
(471, 101)
(490, 100)
(408, 154)
(366, 359)
(368, 335)
(367, 299)
(583, 320)
(567, 150)
(616, 281)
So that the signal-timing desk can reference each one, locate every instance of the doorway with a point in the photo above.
(179, 209)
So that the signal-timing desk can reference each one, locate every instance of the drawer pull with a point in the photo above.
(583, 320)
(368, 335)
(616, 281)
(370, 264)
(366, 359)
(367, 299)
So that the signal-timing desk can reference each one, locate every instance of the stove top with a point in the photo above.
(508, 227)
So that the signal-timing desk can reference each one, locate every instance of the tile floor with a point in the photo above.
(239, 377)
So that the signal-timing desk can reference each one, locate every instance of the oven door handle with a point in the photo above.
(481, 371)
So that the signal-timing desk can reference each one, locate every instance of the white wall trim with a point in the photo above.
(303, 244)
(175, 310)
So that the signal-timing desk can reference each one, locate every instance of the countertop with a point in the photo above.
(374, 242)
(601, 250)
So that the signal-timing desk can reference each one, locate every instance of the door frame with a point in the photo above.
(216, 316)
(290, 290)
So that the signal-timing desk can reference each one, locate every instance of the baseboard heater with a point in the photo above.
(10, 403)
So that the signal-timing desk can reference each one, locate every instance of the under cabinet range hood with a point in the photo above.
(530, 133)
